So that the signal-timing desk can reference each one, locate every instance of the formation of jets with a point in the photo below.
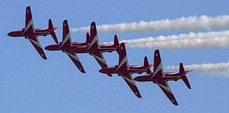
(92, 46)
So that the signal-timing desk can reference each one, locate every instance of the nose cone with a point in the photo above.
(138, 78)
(104, 71)
(101, 70)
(18, 33)
(53, 47)
(10, 34)
(48, 47)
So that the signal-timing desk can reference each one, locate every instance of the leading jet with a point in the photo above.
(31, 33)
(161, 78)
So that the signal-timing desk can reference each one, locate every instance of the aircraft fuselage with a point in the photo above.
(78, 47)
(37, 32)
(113, 70)
(167, 77)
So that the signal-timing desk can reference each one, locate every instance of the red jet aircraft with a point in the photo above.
(31, 33)
(125, 71)
(95, 49)
(91, 46)
(161, 78)
(67, 45)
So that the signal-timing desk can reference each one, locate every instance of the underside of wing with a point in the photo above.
(123, 60)
(66, 37)
(168, 92)
(29, 26)
(37, 46)
(100, 59)
(75, 60)
(94, 41)
(131, 83)
(158, 71)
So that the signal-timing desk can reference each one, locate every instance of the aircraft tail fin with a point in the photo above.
(50, 25)
(88, 41)
(182, 73)
(116, 42)
(146, 65)
(66, 37)
(52, 30)
(93, 37)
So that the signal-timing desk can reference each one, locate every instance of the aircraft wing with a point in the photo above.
(37, 45)
(168, 92)
(158, 71)
(94, 40)
(131, 83)
(100, 59)
(29, 25)
(75, 60)
(123, 60)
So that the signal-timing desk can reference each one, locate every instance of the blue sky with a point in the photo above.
(29, 84)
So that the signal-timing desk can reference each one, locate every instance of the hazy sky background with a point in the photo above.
(29, 84)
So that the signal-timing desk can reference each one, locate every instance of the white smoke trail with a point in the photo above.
(183, 23)
(218, 69)
(182, 41)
